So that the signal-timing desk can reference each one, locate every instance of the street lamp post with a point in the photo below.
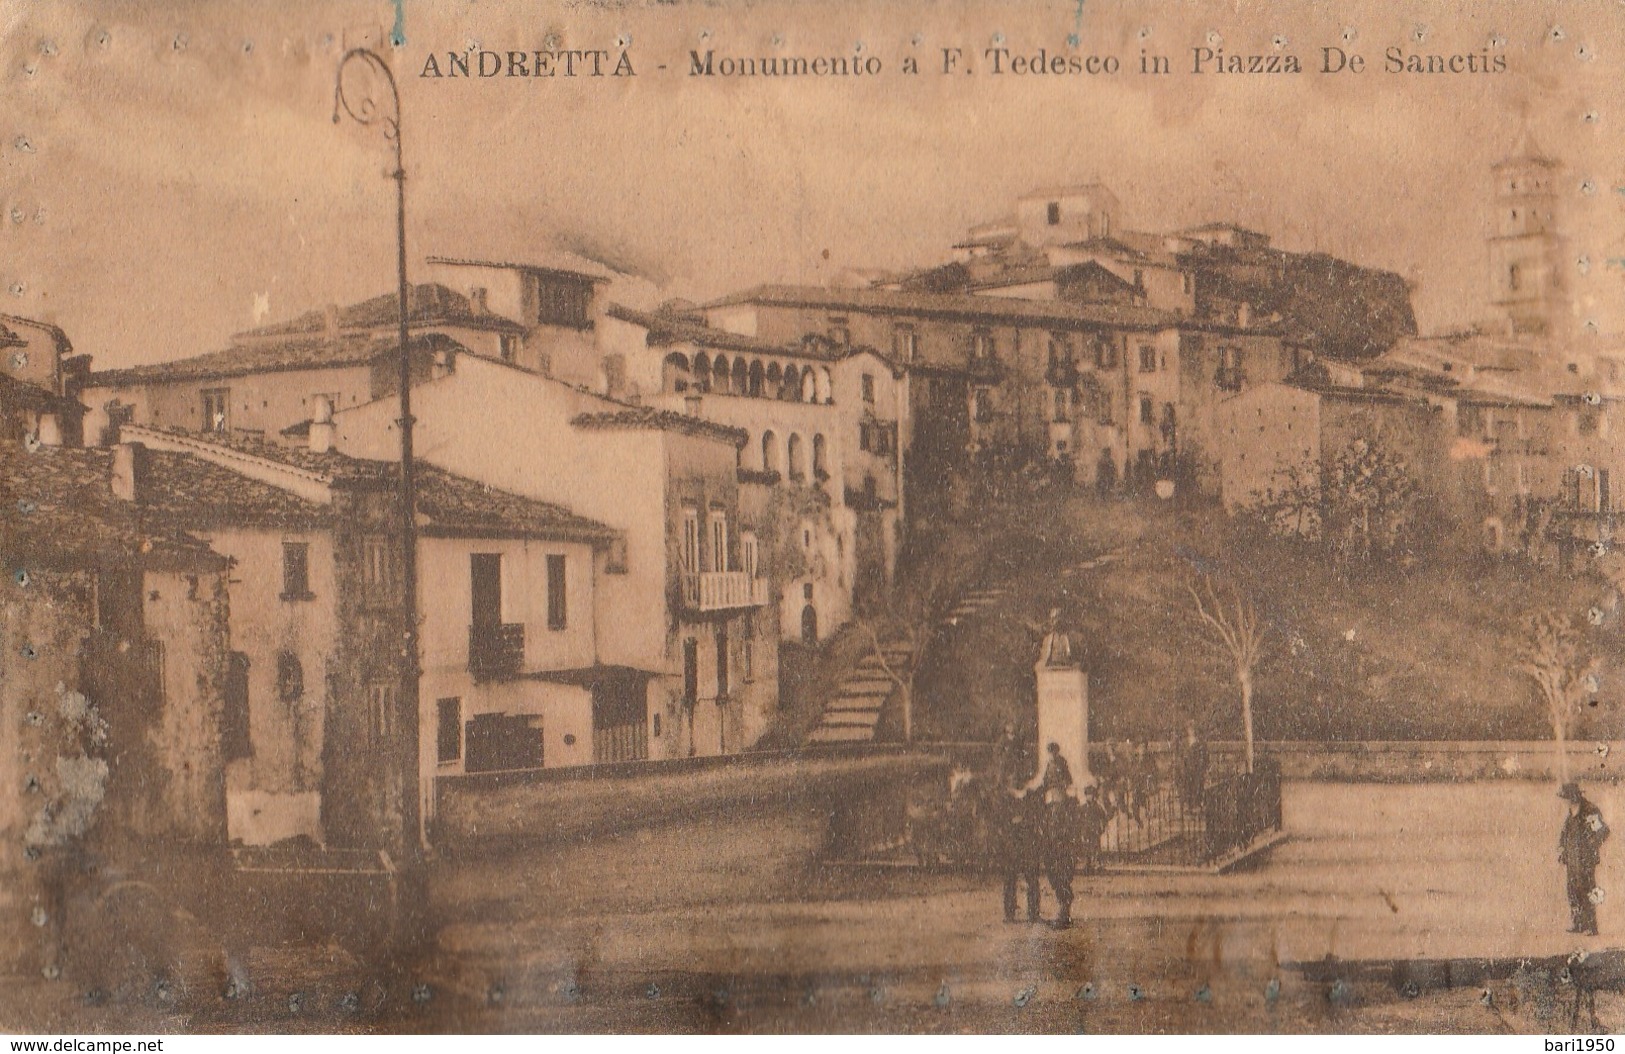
(364, 109)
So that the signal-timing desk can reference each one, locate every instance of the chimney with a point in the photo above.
(321, 426)
(129, 471)
(330, 320)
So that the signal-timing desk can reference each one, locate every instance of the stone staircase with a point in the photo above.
(974, 603)
(854, 711)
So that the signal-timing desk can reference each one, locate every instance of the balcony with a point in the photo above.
(721, 590)
(496, 651)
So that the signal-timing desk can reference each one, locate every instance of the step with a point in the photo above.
(864, 705)
(864, 685)
(850, 719)
(841, 735)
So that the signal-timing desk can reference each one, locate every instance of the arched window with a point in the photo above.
(820, 466)
(797, 459)
(791, 389)
(674, 375)
(720, 377)
(772, 380)
(290, 677)
(741, 377)
(770, 452)
(809, 386)
(809, 625)
(826, 386)
(702, 372)
(755, 383)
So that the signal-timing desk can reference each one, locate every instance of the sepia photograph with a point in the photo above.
(848, 517)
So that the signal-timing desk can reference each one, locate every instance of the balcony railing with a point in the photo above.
(496, 651)
(720, 590)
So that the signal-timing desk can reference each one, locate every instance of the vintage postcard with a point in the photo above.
(858, 516)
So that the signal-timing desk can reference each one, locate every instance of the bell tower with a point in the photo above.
(1526, 248)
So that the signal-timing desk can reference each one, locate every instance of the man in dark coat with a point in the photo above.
(1579, 851)
(1018, 826)
(1063, 827)
(1057, 773)
(1092, 821)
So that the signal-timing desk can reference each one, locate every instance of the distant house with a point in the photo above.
(510, 618)
(39, 376)
(271, 379)
(115, 629)
(686, 598)
(823, 455)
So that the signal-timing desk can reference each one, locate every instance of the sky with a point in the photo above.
(170, 173)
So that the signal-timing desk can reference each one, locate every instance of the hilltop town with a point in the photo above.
(647, 532)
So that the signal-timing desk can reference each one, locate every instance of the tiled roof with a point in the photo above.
(1048, 273)
(664, 328)
(430, 303)
(73, 519)
(664, 420)
(548, 261)
(292, 353)
(21, 394)
(447, 504)
(950, 305)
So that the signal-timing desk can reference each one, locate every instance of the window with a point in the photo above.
(1605, 497)
(982, 346)
(217, 410)
(905, 343)
(748, 553)
(1187, 283)
(983, 399)
(719, 541)
(882, 437)
(485, 589)
(1106, 354)
(1148, 413)
(510, 347)
(1060, 351)
(1063, 405)
(563, 301)
(747, 649)
(1469, 420)
(1053, 213)
(1148, 359)
(691, 539)
(296, 571)
(378, 568)
(615, 559)
(290, 677)
(556, 610)
(235, 741)
(722, 663)
(864, 442)
(381, 696)
(1514, 279)
(448, 725)
(868, 385)
(839, 332)
(1588, 421)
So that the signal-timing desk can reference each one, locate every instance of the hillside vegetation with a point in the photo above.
(1376, 651)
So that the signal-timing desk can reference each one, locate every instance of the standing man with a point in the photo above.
(1062, 827)
(1579, 851)
(1007, 757)
(1057, 773)
(1092, 821)
(1017, 847)
(1192, 767)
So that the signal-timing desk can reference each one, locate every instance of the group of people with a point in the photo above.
(1044, 828)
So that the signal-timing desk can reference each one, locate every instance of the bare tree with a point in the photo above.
(904, 622)
(1552, 654)
(1231, 619)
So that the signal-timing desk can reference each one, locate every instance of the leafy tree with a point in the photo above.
(1359, 505)
(1552, 653)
